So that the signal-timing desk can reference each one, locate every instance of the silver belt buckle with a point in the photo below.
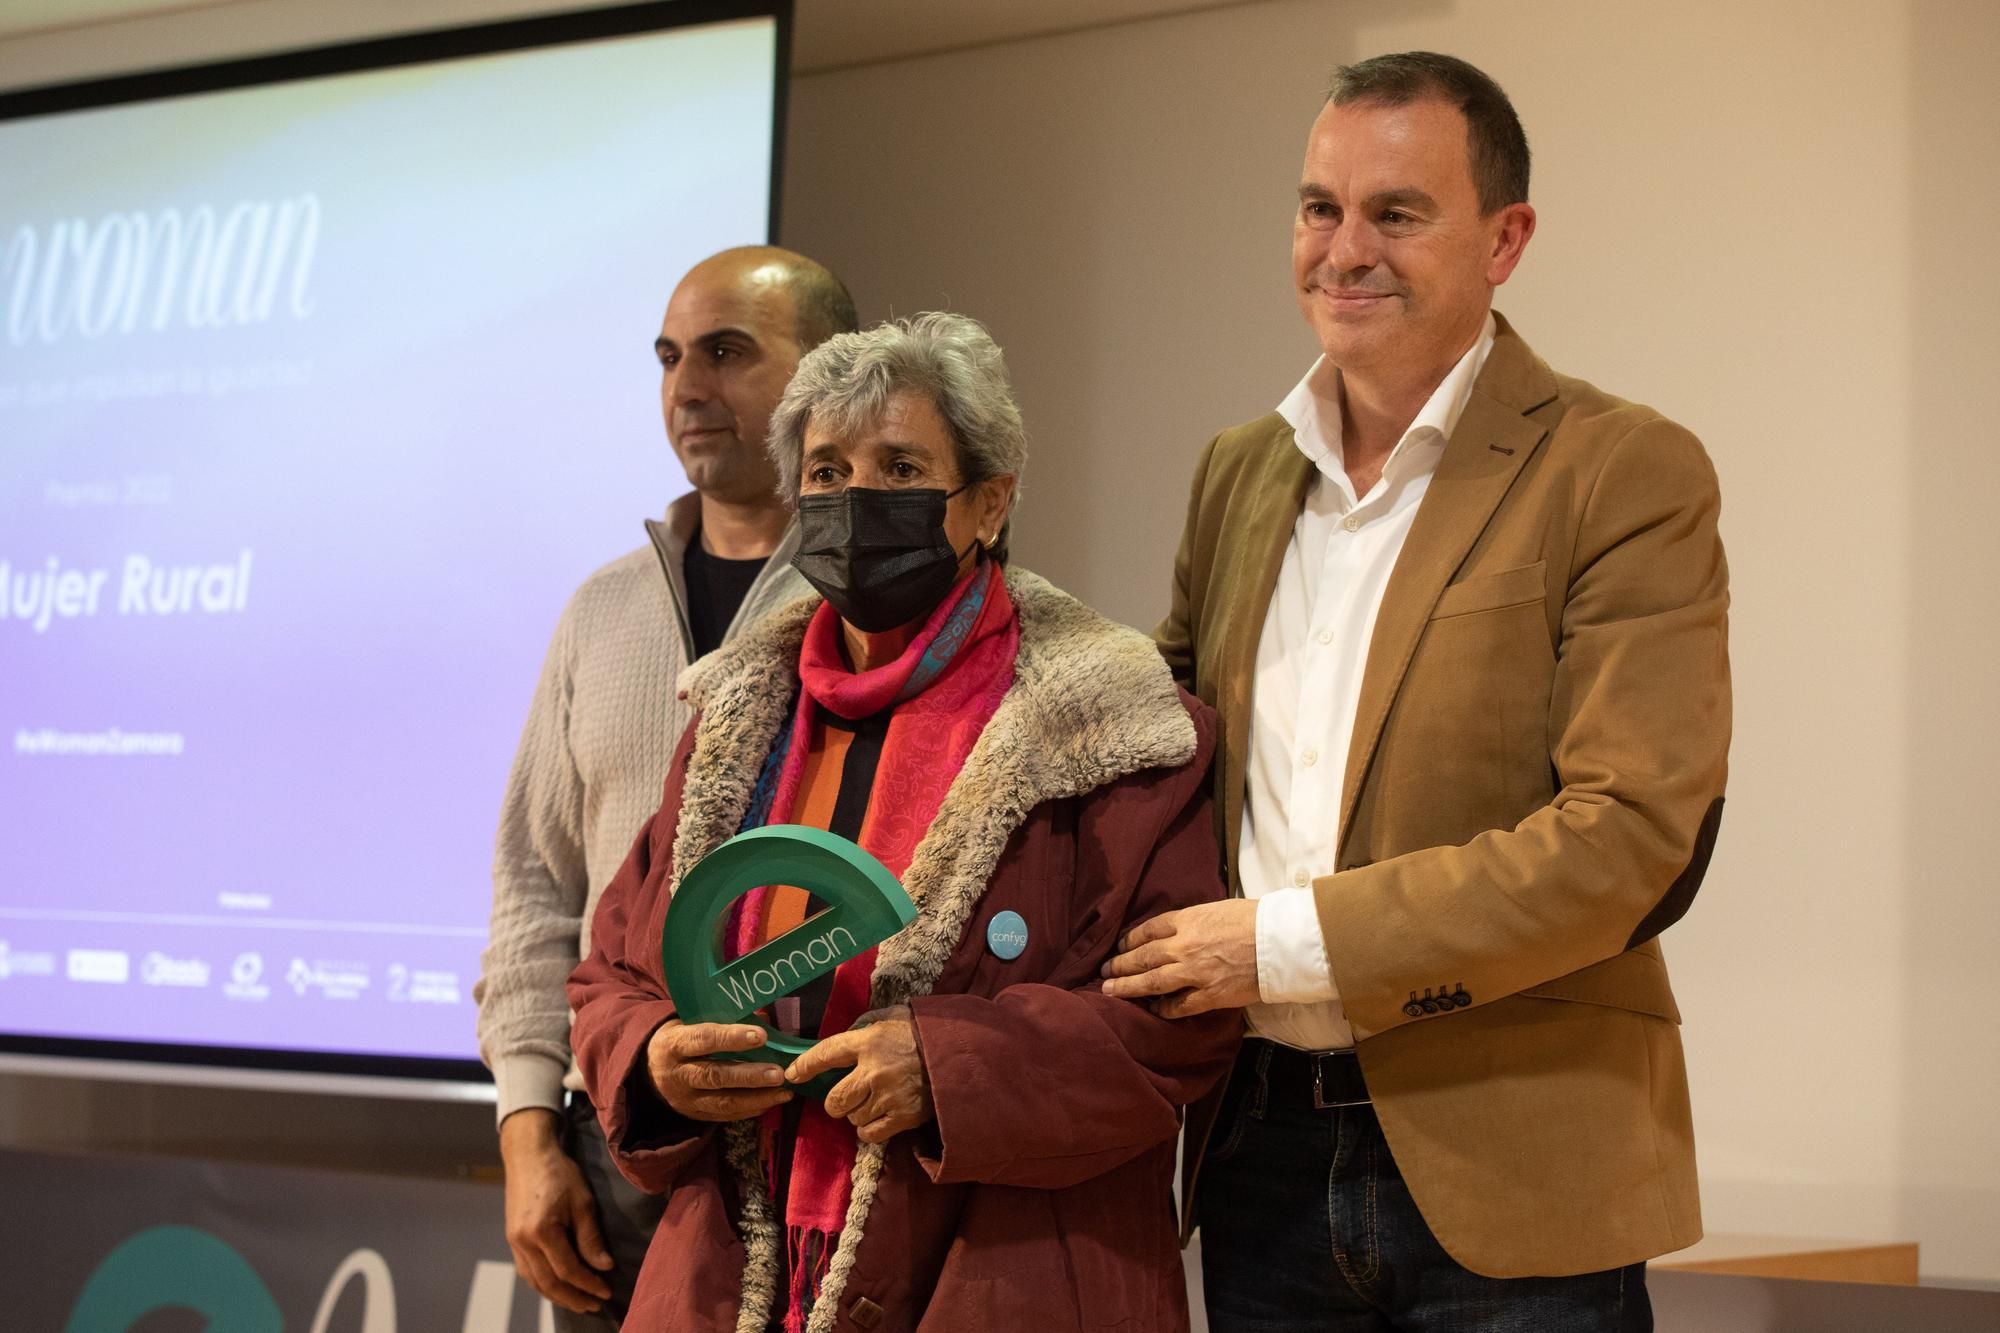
(1320, 1103)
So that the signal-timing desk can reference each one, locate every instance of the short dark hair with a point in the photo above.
(1496, 145)
(821, 303)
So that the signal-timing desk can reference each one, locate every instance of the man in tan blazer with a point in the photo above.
(1464, 621)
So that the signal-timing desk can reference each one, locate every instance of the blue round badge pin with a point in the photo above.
(1007, 935)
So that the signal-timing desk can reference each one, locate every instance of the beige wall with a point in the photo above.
(1769, 220)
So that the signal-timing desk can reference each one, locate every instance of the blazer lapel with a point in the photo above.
(1263, 532)
(1491, 444)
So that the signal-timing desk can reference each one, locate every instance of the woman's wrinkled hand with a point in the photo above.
(889, 1090)
(713, 1090)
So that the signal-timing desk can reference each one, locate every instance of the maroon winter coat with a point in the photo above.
(1040, 1198)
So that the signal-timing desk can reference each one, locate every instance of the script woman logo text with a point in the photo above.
(162, 270)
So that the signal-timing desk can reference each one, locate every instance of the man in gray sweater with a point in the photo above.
(599, 737)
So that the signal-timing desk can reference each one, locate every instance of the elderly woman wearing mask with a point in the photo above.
(998, 1151)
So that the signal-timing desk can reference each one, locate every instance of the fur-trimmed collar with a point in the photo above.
(1092, 702)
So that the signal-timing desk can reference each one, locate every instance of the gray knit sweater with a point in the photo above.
(589, 771)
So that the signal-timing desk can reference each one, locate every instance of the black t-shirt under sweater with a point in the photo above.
(715, 589)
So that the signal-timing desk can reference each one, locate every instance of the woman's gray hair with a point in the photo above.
(847, 381)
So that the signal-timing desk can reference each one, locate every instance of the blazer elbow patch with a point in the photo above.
(1680, 894)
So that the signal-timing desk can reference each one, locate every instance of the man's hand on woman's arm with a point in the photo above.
(1189, 961)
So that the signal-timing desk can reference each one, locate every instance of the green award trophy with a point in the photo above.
(865, 905)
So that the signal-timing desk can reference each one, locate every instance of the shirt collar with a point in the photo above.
(1313, 407)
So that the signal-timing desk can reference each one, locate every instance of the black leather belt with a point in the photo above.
(1324, 1080)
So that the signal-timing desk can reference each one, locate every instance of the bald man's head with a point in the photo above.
(820, 302)
(733, 334)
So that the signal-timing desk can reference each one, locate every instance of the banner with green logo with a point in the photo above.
(114, 1244)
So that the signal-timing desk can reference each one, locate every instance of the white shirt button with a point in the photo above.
(1300, 879)
(1326, 636)
(1352, 524)
(1309, 758)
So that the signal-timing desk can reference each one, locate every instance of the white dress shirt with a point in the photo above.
(1310, 658)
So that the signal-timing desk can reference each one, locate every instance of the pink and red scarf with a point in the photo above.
(944, 688)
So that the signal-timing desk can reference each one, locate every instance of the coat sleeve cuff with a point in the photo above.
(525, 1082)
(613, 1085)
(650, 1142)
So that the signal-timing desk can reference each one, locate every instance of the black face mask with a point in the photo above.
(881, 558)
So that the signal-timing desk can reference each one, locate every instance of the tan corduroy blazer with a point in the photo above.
(1532, 792)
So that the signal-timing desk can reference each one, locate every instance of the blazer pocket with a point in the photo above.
(1633, 980)
(1490, 592)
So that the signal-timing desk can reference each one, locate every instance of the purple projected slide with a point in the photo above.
(316, 401)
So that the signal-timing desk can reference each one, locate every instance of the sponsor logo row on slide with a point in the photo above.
(247, 977)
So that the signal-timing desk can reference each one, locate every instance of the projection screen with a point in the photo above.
(324, 380)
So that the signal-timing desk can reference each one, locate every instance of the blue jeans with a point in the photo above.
(1306, 1225)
